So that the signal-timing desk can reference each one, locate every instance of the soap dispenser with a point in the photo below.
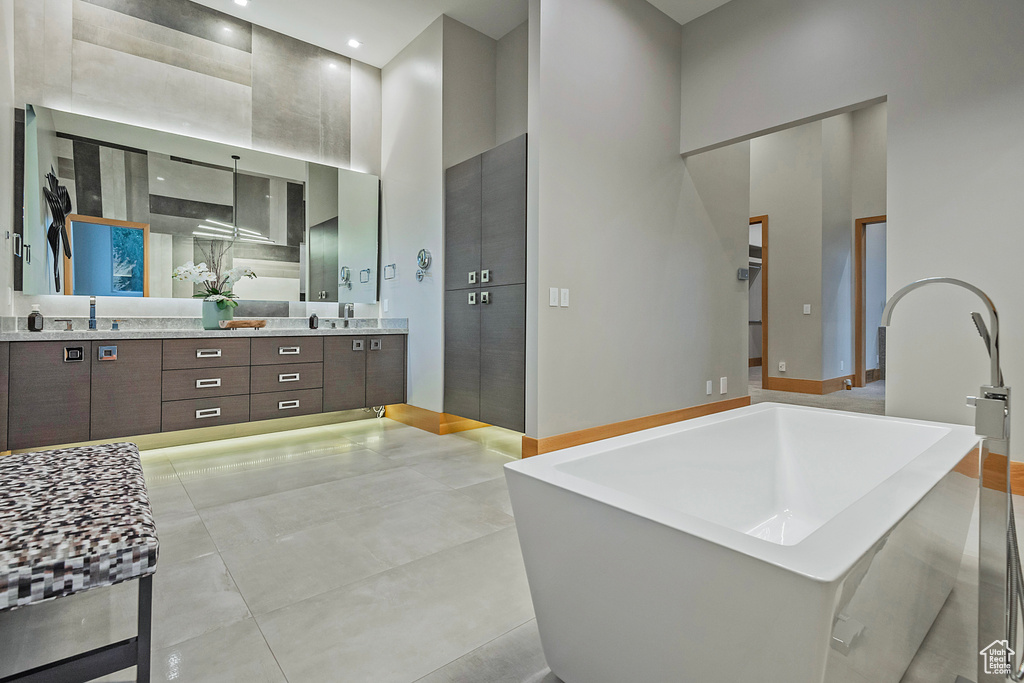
(35, 319)
(314, 322)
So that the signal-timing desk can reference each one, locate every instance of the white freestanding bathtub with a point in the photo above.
(772, 543)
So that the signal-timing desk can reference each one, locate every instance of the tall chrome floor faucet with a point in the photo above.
(999, 573)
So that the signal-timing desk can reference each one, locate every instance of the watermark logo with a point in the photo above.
(997, 658)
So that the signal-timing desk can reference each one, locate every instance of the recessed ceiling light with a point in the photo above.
(332, 65)
(159, 178)
(354, 43)
(228, 29)
(243, 3)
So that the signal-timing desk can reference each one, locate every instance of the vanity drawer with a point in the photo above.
(286, 404)
(291, 377)
(204, 412)
(185, 354)
(179, 385)
(274, 350)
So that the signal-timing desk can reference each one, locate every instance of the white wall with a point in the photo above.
(836, 247)
(469, 92)
(869, 161)
(786, 185)
(512, 84)
(627, 226)
(7, 134)
(366, 104)
(953, 74)
(413, 181)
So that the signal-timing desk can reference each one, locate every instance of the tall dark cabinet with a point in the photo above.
(485, 282)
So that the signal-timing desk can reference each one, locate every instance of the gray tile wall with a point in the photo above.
(182, 67)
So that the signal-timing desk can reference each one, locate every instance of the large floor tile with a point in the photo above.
(458, 469)
(411, 447)
(230, 488)
(183, 537)
(394, 441)
(496, 439)
(170, 502)
(293, 567)
(265, 518)
(193, 598)
(407, 531)
(515, 657)
(493, 492)
(404, 623)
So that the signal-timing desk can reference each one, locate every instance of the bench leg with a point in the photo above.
(144, 642)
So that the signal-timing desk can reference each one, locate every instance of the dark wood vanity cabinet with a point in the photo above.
(125, 393)
(49, 393)
(74, 391)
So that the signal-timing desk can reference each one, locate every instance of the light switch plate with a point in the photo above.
(386, 304)
(553, 297)
(782, 366)
(723, 385)
(807, 309)
(565, 298)
(710, 389)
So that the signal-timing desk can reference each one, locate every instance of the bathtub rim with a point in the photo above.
(828, 553)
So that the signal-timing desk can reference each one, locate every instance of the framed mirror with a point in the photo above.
(310, 232)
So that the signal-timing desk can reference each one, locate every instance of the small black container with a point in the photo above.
(35, 319)
(314, 322)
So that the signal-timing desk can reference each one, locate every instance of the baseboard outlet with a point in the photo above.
(533, 446)
(430, 421)
(805, 386)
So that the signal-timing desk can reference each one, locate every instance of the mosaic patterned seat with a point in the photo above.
(71, 520)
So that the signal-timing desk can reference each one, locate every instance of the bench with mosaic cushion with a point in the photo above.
(72, 520)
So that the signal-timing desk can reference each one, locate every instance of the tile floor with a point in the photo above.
(367, 552)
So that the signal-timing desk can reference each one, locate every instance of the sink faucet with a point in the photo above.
(92, 313)
(348, 311)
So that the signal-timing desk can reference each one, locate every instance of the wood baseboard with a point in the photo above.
(753, 362)
(805, 386)
(532, 446)
(872, 376)
(995, 471)
(429, 421)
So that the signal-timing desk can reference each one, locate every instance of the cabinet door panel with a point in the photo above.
(51, 397)
(385, 370)
(212, 352)
(345, 373)
(276, 350)
(285, 404)
(503, 214)
(126, 391)
(179, 385)
(462, 355)
(205, 412)
(291, 377)
(462, 224)
(503, 358)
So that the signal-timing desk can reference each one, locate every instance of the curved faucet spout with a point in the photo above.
(993, 345)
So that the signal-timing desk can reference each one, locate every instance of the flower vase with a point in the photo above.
(213, 314)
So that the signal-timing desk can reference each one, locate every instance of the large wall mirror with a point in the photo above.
(144, 202)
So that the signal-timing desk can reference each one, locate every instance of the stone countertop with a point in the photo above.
(188, 328)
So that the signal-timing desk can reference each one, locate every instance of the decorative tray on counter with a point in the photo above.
(239, 324)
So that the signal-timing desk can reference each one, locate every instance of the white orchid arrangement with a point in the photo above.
(213, 285)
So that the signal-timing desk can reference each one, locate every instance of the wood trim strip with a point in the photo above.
(754, 363)
(873, 375)
(809, 386)
(430, 421)
(995, 471)
(68, 285)
(533, 446)
(859, 276)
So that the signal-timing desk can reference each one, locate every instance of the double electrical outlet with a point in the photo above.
(723, 386)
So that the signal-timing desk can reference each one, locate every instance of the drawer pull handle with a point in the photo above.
(208, 353)
(293, 377)
(285, 405)
(209, 412)
(289, 350)
(207, 383)
(375, 344)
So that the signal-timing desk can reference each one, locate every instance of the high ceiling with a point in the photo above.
(384, 27)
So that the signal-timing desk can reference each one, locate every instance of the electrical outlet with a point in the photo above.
(723, 385)
(553, 297)
(385, 304)
(842, 365)
(710, 389)
(565, 298)
(807, 309)
(782, 366)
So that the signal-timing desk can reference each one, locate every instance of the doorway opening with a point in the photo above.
(757, 324)
(869, 299)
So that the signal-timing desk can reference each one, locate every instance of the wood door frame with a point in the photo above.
(69, 284)
(763, 220)
(859, 282)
